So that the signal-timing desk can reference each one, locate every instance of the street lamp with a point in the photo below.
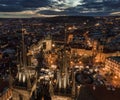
(53, 45)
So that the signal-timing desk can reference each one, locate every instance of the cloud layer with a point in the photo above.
(36, 8)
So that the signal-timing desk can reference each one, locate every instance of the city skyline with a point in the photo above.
(50, 8)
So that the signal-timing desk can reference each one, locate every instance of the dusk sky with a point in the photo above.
(49, 8)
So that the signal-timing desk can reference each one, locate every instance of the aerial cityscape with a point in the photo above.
(59, 50)
(72, 57)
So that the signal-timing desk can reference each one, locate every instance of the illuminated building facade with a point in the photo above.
(112, 67)
(25, 84)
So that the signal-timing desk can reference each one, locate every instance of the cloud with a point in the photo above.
(35, 3)
(68, 3)
(115, 13)
(10, 8)
(20, 5)
(35, 8)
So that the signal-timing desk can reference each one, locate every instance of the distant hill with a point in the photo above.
(61, 19)
(65, 19)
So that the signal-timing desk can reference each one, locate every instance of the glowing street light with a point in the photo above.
(53, 45)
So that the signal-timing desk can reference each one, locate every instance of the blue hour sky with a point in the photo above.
(49, 8)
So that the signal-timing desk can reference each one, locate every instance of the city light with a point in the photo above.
(60, 58)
